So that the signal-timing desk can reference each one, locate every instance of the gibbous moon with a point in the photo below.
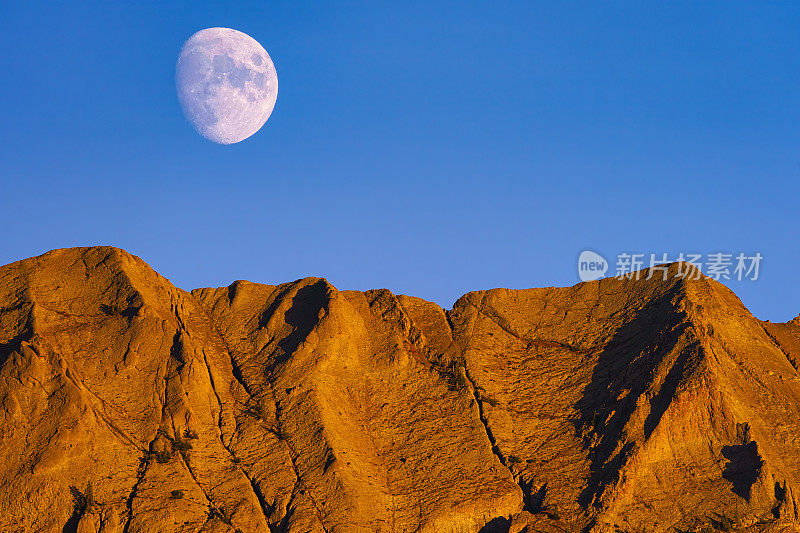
(227, 84)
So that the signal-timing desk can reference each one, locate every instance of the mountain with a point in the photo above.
(129, 405)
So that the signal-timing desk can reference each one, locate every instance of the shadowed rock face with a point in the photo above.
(130, 405)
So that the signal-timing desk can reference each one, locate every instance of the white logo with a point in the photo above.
(591, 266)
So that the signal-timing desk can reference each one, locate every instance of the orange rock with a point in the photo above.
(131, 405)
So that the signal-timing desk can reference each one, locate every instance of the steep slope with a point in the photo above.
(786, 337)
(379, 440)
(623, 403)
(109, 374)
(298, 408)
(130, 405)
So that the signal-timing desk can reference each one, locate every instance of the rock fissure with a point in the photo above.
(256, 491)
(777, 344)
(532, 341)
(293, 458)
(144, 462)
(485, 422)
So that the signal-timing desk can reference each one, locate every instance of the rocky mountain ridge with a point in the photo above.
(130, 405)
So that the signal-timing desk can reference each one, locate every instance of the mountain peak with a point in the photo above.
(131, 405)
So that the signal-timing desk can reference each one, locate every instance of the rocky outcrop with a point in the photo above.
(130, 405)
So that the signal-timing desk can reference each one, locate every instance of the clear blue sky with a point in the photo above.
(432, 148)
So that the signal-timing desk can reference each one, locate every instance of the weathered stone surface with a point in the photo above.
(628, 403)
(130, 405)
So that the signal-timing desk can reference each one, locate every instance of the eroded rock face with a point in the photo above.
(130, 405)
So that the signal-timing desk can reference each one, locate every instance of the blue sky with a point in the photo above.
(432, 148)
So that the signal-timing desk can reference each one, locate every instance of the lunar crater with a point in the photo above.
(227, 84)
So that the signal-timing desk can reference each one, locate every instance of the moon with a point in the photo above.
(227, 84)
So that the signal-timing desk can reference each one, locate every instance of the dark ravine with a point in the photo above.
(611, 406)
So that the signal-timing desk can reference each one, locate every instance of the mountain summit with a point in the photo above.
(130, 405)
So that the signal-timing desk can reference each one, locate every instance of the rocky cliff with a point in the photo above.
(130, 405)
